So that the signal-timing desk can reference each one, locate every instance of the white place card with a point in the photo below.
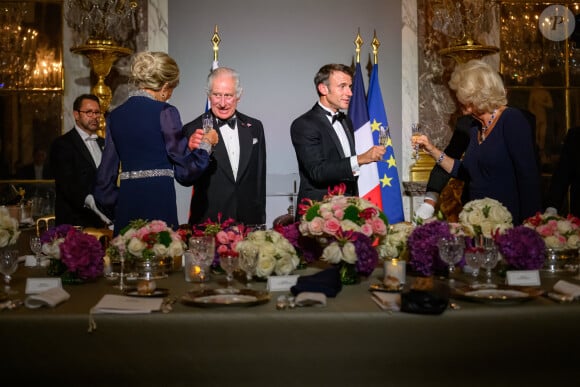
(280, 283)
(39, 285)
(113, 303)
(523, 277)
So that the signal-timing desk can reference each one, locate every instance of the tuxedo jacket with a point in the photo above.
(217, 191)
(322, 163)
(567, 175)
(74, 176)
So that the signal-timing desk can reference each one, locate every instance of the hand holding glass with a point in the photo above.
(416, 131)
(384, 138)
(207, 122)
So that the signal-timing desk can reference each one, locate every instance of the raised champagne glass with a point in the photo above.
(416, 131)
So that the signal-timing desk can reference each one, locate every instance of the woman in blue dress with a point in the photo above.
(500, 161)
(145, 149)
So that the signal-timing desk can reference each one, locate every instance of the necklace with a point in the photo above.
(489, 122)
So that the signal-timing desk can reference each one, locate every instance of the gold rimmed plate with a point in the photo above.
(225, 297)
(380, 287)
(159, 292)
(498, 295)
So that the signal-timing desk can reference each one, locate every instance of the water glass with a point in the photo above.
(36, 248)
(8, 265)
(451, 251)
(249, 261)
(229, 262)
(474, 258)
(490, 260)
(202, 249)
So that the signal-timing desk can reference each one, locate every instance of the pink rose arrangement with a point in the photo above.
(558, 232)
(346, 229)
(142, 239)
(227, 235)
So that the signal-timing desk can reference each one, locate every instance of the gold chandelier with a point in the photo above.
(459, 20)
(25, 64)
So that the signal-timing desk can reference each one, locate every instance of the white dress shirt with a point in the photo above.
(232, 144)
(90, 141)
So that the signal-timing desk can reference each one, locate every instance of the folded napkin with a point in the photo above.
(325, 281)
(387, 301)
(567, 288)
(51, 297)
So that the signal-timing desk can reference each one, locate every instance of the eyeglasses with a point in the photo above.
(90, 113)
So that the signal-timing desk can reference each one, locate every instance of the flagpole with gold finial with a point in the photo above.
(375, 44)
(358, 42)
(215, 40)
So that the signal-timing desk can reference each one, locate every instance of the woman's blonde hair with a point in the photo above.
(153, 69)
(475, 83)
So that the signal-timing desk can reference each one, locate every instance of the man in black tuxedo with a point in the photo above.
(74, 158)
(234, 183)
(38, 169)
(323, 138)
(567, 175)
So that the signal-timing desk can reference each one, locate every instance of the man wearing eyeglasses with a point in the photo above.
(74, 158)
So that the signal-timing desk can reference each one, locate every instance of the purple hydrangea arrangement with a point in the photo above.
(522, 248)
(423, 251)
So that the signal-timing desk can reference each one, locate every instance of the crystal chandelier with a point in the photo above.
(24, 65)
(460, 20)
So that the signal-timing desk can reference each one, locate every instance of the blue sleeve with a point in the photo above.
(188, 165)
(106, 190)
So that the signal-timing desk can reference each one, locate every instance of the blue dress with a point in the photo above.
(144, 135)
(503, 167)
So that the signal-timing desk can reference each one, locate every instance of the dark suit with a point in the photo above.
(216, 191)
(74, 173)
(567, 174)
(28, 172)
(322, 163)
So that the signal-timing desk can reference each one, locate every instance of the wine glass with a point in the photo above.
(451, 251)
(416, 131)
(490, 260)
(36, 247)
(207, 122)
(8, 265)
(474, 259)
(229, 262)
(249, 261)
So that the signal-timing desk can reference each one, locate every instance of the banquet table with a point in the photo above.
(349, 342)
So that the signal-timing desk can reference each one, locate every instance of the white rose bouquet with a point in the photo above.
(395, 243)
(485, 217)
(145, 240)
(9, 232)
(276, 253)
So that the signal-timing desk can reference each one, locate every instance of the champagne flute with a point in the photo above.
(229, 262)
(249, 261)
(384, 138)
(490, 260)
(8, 265)
(207, 122)
(416, 131)
(36, 247)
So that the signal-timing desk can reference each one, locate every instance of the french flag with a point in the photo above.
(368, 180)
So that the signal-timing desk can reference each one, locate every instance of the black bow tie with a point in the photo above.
(338, 117)
(231, 122)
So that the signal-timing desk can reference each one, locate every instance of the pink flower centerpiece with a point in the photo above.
(346, 230)
(558, 232)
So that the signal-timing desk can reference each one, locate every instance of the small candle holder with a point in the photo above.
(395, 268)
